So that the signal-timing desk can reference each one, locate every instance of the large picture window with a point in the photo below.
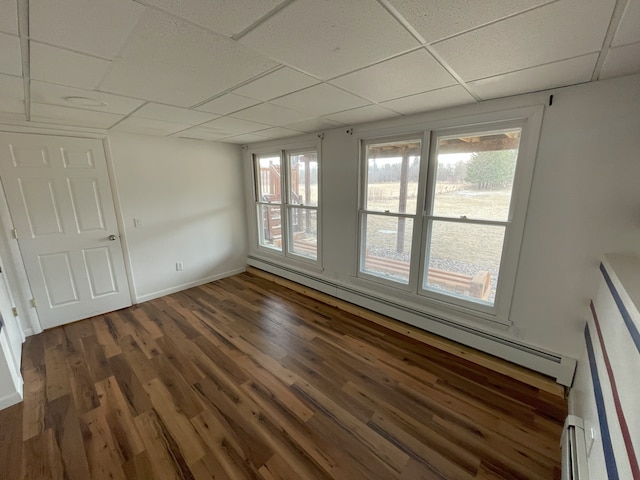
(287, 193)
(437, 220)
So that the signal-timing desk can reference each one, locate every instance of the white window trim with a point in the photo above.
(527, 118)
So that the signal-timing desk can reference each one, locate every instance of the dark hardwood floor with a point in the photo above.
(245, 379)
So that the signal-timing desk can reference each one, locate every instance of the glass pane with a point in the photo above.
(303, 240)
(303, 177)
(464, 260)
(392, 176)
(268, 177)
(388, 247)
(474, 175)
(270, 225)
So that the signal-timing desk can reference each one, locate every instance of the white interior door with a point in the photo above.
(58, 193)
(10, 322)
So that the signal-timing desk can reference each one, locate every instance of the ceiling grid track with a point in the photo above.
(25, 48)
(616, 17)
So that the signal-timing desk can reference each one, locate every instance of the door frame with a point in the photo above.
(10, 250)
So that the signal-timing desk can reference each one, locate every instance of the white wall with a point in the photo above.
(189, 196)
(584, 202)
(609, 405)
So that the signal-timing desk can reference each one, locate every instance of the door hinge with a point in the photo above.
(33, 303)
(15, 311)
(15, 233)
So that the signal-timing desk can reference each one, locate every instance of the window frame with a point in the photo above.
(529, 120)
(364, 212)
(290, 206)
(283, 152)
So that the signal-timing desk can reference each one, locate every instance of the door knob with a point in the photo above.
(112, 237)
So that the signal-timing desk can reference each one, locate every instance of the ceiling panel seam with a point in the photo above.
(616, 17)
(23, 32)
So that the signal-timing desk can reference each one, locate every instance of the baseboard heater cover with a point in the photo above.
(574, 450)
(553, 365)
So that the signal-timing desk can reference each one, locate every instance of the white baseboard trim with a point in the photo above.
(184, 286)
(554, 365)
(12, 399)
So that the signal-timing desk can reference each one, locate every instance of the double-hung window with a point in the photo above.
(438, 216)
(287, 192)
(390, 202)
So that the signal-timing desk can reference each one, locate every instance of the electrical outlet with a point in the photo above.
(179, 266)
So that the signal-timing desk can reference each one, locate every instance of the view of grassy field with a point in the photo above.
(456, 247)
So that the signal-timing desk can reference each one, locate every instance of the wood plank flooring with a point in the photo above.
(245, 379)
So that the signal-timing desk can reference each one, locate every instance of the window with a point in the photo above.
(287, 193)
(390, 207)
(468, 213)
(269, 200)
(437, 214)
(302, 203)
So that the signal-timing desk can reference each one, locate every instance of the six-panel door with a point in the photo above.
(57, 189)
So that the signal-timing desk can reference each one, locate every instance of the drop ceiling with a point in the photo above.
(248, 70)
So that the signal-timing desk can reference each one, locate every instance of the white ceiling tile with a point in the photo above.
(544, 77)
(434, 100)
(72, 116)
(49, 93)
(10, 58)
(440, 19)
(314, 125)
(166, 113)
(271, 114)
(11, 94)
(170, 61)
(228, 103)
(276, 84)
(12, 117)
(98, 27)
(561, 30)
(322, 99)
(11, 87)
(408, 74)
(245, 138)
(55, 65)
(369, 113)
(234, 125)
(278, 132)
(202, 133)
(629, 27)
(11, 105)
(620, 61)
(332, 37)
(9, 17)
(149, 126)
(222, 16)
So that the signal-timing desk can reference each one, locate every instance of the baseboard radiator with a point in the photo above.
(574, 450)
(551, 364)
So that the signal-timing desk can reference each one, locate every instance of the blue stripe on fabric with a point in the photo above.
(610, 459)
(633, 330)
